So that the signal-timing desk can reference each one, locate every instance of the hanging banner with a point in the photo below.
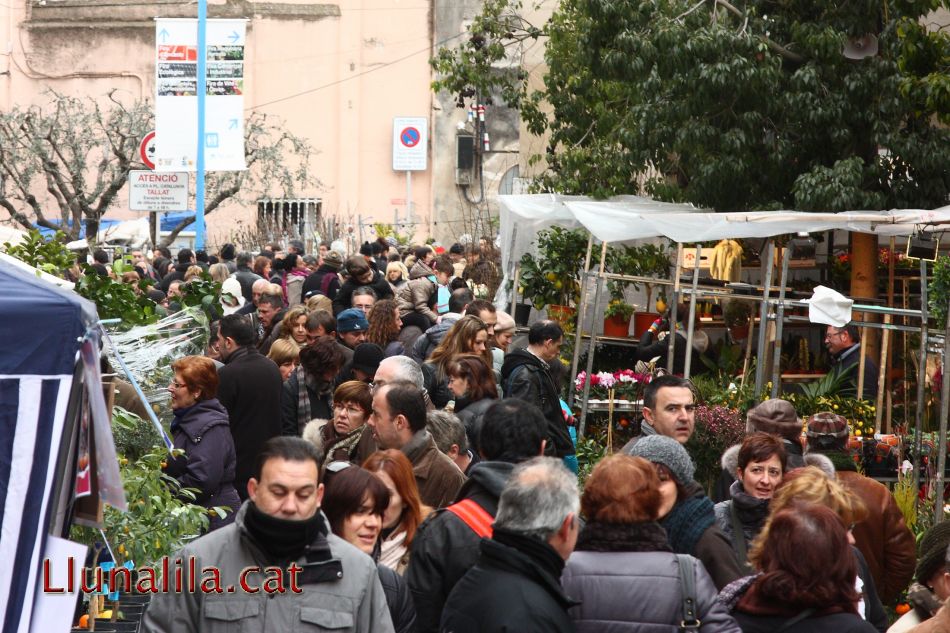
(176, 100)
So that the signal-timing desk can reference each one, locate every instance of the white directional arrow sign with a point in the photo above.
(176, 108)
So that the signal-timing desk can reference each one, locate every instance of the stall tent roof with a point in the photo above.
(42, 324)
(627, 218)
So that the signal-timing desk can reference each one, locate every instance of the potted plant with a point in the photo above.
(737, 315)
(617, 318)
(647, 260)
(552, 277)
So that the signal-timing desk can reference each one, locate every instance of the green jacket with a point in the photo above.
(354, 603)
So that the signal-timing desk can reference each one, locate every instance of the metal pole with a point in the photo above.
(580, 319)
(590, 360)
(882, 372)
(779, 316)
(202, 90)
(942, 440)
(921, 378)
(408, 197)
(692, 316)
(763, 319)
(673, 305)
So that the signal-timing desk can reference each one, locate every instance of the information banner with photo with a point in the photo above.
(176, 95)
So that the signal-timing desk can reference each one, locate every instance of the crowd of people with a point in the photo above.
(372, 425)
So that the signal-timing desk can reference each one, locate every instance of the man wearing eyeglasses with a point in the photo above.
(844, 345)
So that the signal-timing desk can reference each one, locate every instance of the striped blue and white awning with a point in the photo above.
(40, 331)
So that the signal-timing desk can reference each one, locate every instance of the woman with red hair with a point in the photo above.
(405, 511)
(202, 430)
(623, 571)
(805, 582)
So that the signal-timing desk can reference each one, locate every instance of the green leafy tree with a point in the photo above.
(737, 106)
(69, 159)
(49, 255)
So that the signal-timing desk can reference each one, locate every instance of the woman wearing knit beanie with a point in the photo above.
(685, 511)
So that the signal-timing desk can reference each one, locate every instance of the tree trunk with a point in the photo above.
(864, 258)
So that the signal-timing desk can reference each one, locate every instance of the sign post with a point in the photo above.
(199, 103)
(410, 151)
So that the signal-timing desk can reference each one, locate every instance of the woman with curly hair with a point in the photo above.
(294, 325)
(469, 335)
(405, 512)
(384, 327)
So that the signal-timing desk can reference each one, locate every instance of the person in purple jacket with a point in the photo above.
(202, 430)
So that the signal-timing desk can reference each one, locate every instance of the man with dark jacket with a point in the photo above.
(844, 345)
(249, 388)
(883, 537)
(513, 432)
(325, 280)
(286, 570)
(185, 259)
(515, 586)
(359, 273)
(423, 346)
(245, 275)
(526, 375)
(399, 421)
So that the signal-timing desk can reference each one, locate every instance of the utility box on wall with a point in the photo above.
(464, 158)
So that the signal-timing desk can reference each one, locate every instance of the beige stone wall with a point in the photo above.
(337, 74)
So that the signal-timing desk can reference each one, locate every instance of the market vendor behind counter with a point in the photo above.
(655, 342)
(844, 345)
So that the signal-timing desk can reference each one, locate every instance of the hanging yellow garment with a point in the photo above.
(725, 263)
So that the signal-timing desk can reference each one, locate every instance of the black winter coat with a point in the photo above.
(437, 385)
(649, 349)
(523, 376)
(432, 574)
(514, 587)
(313, 284)
(321, 406)
(397, 599)
(471, 416)
(202, 431)
(246, 277)
(834, 623)
(176, 273)
(249, 388)
(344, 296)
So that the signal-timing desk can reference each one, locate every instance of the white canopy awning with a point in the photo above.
(627, 218)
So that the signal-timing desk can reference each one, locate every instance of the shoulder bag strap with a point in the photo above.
(688, 587)
(738, 536)
(474, 516)
(793, 621)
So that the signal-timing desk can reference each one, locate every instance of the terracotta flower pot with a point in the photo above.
(642, 322)
(616, 326)
(561, 314)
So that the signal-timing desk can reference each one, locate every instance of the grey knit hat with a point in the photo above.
(660, 449)
(776, 417)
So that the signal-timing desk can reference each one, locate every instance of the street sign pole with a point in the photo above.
(202, 92)
(408, 197)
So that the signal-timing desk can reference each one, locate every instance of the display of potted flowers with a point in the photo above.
(627, 384)
(646, 260)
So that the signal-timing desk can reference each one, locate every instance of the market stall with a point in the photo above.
(623, 220)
